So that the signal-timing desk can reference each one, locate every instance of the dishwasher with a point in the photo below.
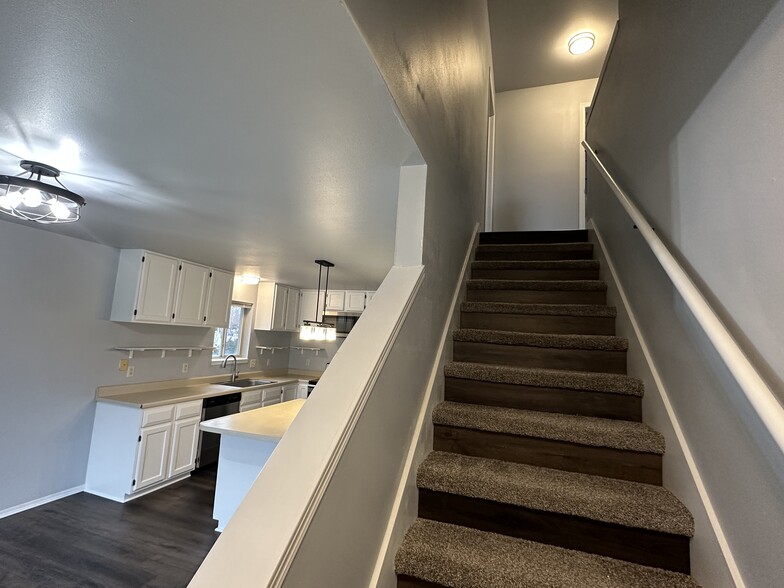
(214, 407)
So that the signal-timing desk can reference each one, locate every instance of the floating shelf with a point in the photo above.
(163, 350)
(302, 350)
(263, 348)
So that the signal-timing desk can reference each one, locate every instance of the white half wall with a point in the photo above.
(537, 157)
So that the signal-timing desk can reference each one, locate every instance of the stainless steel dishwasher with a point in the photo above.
(212, 408)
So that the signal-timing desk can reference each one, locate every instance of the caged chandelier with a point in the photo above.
(315, 330)
(33, 200)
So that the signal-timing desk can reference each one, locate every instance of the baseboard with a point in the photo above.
(405, 504)
(128, 498)
(615, 287)
(40, 501)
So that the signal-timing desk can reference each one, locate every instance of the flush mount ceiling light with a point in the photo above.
(581, 43)
(319, 330)
(252, 280)
(33, 200)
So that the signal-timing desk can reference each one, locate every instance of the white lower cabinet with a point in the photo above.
(250, 400)
(289, 392)
(135, 449)
(302, 389)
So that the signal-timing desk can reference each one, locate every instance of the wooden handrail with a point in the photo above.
(760, 396)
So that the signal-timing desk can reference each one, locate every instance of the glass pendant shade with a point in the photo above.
(315, 330)
(33, 200)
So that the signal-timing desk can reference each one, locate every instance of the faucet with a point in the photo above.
(234, 372)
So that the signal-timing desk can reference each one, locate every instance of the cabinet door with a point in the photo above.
(271, 401)
(369, 297)
(185, 440)
(219, 299)
(302, 390)
(155, 298)
(192, 293)
(311, 306)
(355, 301)
(336, 299)
(289, 392)
(292, 310)
(152, 461)
(279, 308)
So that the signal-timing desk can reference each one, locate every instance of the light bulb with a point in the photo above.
(32, 198)
(581, 43)
(10, 200)
(306, 332)
(332, 334)
(59, 210)
(319, 334)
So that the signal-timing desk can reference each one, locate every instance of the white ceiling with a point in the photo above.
(255, 136)
(530, 40)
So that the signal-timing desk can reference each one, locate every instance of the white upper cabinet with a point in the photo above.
(336, 300)
(311, 306)
(277, 308)
(155, 288)
(192, 286)
(355, 301)
(218, 302)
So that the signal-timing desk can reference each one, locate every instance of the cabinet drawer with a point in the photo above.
(157, 415)
(187, 409)
(270, 393)
(251, 397)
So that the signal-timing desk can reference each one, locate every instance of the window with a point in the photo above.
(234, 339)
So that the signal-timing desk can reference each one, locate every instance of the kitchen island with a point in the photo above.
(247, 441)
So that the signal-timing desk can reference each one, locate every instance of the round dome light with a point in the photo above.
(581, 43)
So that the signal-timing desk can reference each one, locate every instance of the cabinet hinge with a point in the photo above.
(142, 258)
(134, 482)
(205, 319)
(210, 274)
(180, 268)
(140, 439)
(134, 312)
(172, 315)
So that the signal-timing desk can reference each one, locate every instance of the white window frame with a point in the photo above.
(245, 333)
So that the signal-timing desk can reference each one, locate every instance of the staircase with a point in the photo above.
(542, 473)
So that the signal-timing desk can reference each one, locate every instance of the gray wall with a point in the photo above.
(537, 155)
(689, 121)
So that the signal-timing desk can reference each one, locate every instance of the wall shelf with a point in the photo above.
(315, 350)
(262, 349)
(163, 350)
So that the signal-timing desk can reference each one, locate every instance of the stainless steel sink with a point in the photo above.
(247, 383)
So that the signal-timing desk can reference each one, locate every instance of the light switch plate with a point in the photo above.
(185, 368)
(123, 365)
(129, 372)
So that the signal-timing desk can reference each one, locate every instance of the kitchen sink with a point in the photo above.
(247, 383)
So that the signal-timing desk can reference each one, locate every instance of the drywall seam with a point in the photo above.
(408, 474)
(718, 531)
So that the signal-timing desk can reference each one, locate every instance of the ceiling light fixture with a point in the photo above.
(319, 330)
(33, 200)
(252, 280)
(581, 43)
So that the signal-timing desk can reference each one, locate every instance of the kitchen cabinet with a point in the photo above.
(135, 450)
(155, 288)
(277, 308)
(218, 302)
(302, 389)
(311, 306)
(368, 297)
(250, 400)
(355, 301)
(289, 392)
(336, 300)
(190, 299)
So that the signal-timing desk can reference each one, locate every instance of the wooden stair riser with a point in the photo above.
(560, 455)
(523, 237)
(538, 323)
(557, 400)
(545, 255)
(585, 360)
(649, 548)
(538, 296)
(535, 274)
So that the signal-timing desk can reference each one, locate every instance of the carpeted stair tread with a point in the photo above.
(583, 430)
(631, 504)
(562, 264)
(551, 285)
(585, 342)
(582, 310)
(522, 247)
(573, 380)
(459, 557)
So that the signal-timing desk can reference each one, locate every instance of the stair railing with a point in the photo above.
(760, 396)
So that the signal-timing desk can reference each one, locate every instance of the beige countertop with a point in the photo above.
(149, 396)
(264, 424)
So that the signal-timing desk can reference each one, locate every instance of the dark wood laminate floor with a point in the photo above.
(158, 540)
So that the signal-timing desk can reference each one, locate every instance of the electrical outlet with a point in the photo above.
(129, 372)
(123, 365)
(252, 363)
(307, 363)
(185, 368)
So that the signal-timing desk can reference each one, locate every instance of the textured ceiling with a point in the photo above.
(530, 40)
(255, 136)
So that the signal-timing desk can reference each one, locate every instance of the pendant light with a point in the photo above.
(316, 330)
(33, 200)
